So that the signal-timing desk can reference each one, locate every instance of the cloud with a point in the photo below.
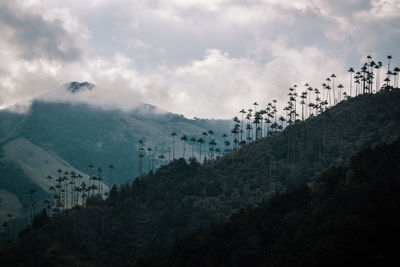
(36, 44)
(197, 58)
(34, 36)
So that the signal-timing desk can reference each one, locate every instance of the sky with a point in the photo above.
(199, 58)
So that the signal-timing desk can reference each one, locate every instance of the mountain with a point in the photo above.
(74, 87)
(70, 137)
(348, 217)
(146, 217)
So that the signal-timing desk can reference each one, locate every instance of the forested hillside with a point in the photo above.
(146, 217)
(348, 217)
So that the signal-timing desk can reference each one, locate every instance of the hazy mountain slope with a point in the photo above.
(81, 134)
(34, 161)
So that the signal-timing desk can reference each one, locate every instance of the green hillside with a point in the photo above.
(145, 218)
(349, 217)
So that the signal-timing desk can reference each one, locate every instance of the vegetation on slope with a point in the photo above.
(348, 217)
(147, 217)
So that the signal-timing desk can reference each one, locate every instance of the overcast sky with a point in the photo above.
(203, 58)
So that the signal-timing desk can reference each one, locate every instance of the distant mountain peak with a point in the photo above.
(75, 87)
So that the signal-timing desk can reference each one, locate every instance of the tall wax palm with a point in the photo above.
(49, 178)
(212, 144)
(340, 87)
(84, 195)
(364, 77)
(149, 150)
(193, 140)
(227, 145)
(59, 187)
(140, 156)
(31, 192)
(351, 71)
(210, 134)
(99, 178)
(248, 125)
(310, 90)
(303, 96)
(90, 173)
(173, 145)
(184, 140)
(205, 134)
(224, 136)
(378, 67)
(335, 99)
(161, 158)
(396, 71)
(328, 89)
(235, 131)
(241, 128)
(219, 152)
(371, 74)
(201, 142)
(389, 57)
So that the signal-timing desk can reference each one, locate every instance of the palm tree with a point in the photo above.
(241, 128)
(110, 168)
(310, 90)
(219, 152)
(212, 144)
(90, 174)
(149, 150)
(184, 139)
(193, 140)
(340, 87)
(201, 142)
(84, 190)
(140, 155)
(335, 100)
(351, 71)
(378, 75)
(303, 96)
(99, 172)
(227, 144)
(389, 57)
(210, 134)
(205, 134)
(161, 157)
(173, 145)
(396, 71)
(49, 178)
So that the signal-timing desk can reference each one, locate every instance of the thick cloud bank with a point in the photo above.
(197, 58)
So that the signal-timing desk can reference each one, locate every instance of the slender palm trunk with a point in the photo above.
(351, 79)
